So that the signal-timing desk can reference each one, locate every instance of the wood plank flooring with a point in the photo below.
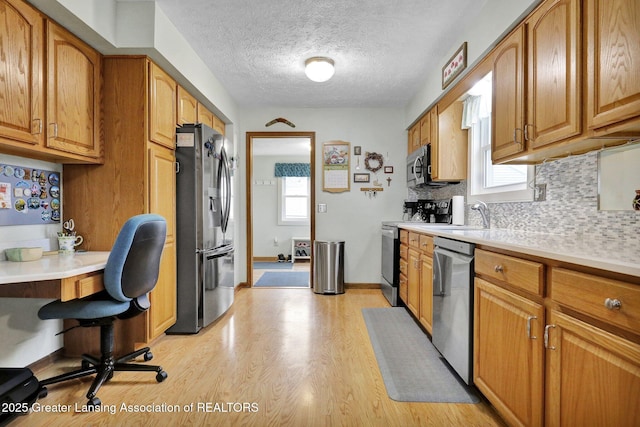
(278, 357)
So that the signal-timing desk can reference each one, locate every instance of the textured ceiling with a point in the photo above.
(383, 49)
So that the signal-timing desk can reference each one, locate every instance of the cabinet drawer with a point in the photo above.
(89, 286)
(414, 240)
(404, 266)
(426, 244)
(520, 273)
(404, 237)
(404, 251)
(598, 297)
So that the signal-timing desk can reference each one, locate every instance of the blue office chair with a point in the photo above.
(130, 274)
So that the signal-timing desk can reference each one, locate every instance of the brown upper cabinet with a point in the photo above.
(73, 95)
(208, 118)
(449, 150)
(21, 65)
(162, 107)
(62, 121)
(414, 138)
(548, 47)
(187, 107)
(613, 69)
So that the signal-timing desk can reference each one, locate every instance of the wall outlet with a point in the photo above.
(540, 193)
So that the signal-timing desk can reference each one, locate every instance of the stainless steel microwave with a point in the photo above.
(419, 169)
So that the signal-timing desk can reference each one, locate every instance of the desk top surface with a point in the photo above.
(52, 267)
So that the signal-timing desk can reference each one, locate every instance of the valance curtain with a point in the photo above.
(292, 169)
(474, 109)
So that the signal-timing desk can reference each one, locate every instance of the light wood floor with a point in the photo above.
(289, 357)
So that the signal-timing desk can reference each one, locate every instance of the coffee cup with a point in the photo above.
(67, 244)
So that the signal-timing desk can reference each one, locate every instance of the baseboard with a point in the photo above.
(362, 285)
(265, 259)
(47, 361)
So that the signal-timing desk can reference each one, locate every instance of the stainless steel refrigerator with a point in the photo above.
(204, 228)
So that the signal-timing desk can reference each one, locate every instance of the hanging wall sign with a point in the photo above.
(335, 166)
(29, 196)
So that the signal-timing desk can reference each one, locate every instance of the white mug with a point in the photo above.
(68, 243)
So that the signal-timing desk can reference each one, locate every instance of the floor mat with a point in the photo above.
(289, 279)
(411, 367)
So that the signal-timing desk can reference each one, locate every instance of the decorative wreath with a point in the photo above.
(376, 158)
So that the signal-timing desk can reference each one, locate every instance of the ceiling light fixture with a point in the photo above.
(319, 69)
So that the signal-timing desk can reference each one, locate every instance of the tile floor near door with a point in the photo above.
(278, 357)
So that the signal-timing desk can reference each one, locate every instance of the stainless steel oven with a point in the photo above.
(453, 304)
(390, 262)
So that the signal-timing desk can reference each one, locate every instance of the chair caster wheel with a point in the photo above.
(43, 393)
(85, 364)
(161, 376)
(94, 402)
(148, 356)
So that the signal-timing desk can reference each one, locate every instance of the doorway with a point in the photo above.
(270, 235)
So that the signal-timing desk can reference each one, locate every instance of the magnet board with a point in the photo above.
(29, 196)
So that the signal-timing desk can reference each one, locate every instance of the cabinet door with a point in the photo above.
(73, 101)
(21, 69)
(613, 49)
(508, 97)
(414, 138)
(413, 282)
(508, 359)
(449, 151)
(205, 116)
(426, 292)
(162, 107)
(187, 107)
(218, 124)
(425, 129)
(593, 377)
(554, 65)
(163, 310)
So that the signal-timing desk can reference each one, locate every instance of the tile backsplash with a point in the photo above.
(570, 208)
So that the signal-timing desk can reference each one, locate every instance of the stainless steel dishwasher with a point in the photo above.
(453, 304)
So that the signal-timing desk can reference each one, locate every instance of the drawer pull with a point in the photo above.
(529, 319)
(498, 269)
(546, 337)
(613, 304)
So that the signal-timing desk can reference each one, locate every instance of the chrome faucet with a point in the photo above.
(484, 213)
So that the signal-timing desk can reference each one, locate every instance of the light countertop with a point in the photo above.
(51, 267)
(586, 250)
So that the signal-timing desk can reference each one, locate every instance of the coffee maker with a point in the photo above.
(409, 209)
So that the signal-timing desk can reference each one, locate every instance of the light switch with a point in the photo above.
(322, 208)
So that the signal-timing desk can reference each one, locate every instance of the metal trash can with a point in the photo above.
(328, 267)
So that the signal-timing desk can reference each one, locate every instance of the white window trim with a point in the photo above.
(291, 222)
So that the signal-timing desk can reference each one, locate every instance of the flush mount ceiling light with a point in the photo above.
(319, 69)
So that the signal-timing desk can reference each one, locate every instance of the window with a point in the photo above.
(489, 182)
(293, 206)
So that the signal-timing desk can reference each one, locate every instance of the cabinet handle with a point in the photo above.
(177, 167)
(546, 337)
(515, 135)
(498, 269)
(39, 126)
(526, 131)
(529, 319)
(613, 304)
(55, 130)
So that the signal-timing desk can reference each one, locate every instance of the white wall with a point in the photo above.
(351, 216)
(265, 209)
(25, 338)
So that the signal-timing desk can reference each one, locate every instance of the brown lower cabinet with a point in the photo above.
(556, 349)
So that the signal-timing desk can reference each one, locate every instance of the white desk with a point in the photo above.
(65, 277)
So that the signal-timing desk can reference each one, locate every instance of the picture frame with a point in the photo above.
(454, 66)
(357, 150)
(361, 177)
(388, 169)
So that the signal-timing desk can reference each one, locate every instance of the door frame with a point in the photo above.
(249, 203)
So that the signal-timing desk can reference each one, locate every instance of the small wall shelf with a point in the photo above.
(300, 248)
